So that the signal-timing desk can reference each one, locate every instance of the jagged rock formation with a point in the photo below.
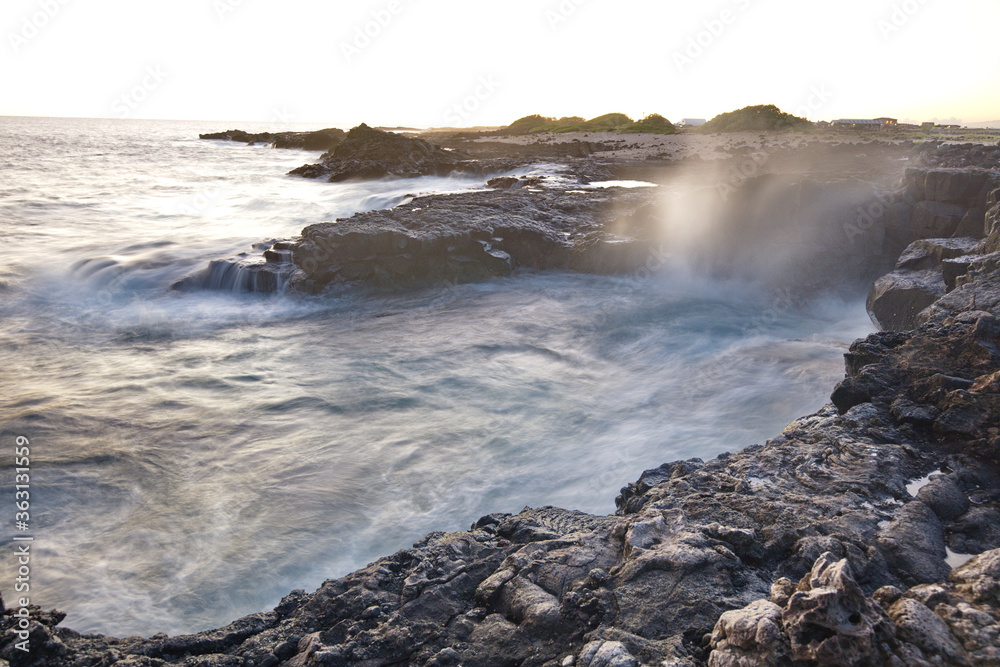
(918, 280)
(366, 153)
(691, 541)
(699, 565)
(320, 140)
(936, 154)
(266, 271)
(827, 620)
(945, 215)
(473, 236)
(789, 233)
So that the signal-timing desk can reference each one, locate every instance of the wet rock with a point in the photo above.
(750, 636)
(930, 252)
(976, 531)
(945, 497)
(504, 182)
(697, 547)
(606, 654)
(367, 153)
(919, 626)
(782, 590)
(965, 187)
(265, 273)
(907, 412)
(953, 269)
(979, 579)
(470, 237)
(978, 631)
(828, 619)
(913, 544)
(896, 299)
(936, 219)
(973, 224)
(886, 596)
(977, 290)
(991, 223)
(320, 140)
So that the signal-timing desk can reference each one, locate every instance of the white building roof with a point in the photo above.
(858, 121)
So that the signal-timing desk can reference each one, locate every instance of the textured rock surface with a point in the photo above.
(320, 140)
(477, 235)
(700, 562)
(825, 504)
(367, 153)
(265, 271)
(896, 299)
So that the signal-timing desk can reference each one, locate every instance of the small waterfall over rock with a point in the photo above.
(265, 273)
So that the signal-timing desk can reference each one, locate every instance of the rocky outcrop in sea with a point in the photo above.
(867, 533)
(946, 215)
(320, 140)
(367, 153)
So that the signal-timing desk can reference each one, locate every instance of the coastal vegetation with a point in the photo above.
(757, 118)
(611, 122)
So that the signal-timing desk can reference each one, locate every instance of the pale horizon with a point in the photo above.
(445, 63)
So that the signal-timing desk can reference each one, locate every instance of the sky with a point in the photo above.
(433, 63)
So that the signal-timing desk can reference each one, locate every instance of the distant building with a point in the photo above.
(692, 122)
(861, 123)
(888, 121)
(927, 124)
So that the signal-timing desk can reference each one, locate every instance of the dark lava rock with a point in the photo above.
(896, 299)
(266, 271)
(366, 153)
(937, 155)
(830, 621)
(696, 548)
(477, 235)
(320, 140)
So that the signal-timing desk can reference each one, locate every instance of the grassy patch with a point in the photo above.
(758, 118)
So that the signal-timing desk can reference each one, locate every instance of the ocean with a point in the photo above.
(196, 455)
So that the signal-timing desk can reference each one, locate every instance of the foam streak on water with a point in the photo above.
(200, 454)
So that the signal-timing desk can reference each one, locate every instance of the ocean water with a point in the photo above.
(197, 455)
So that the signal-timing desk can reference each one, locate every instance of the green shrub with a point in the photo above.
(537, 123)
(529, 124)
(607, 122)
(758, 118)
(653, 123)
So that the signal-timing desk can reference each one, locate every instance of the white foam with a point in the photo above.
(622, 184)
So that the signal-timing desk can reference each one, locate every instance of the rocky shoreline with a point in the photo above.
(867, 533)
